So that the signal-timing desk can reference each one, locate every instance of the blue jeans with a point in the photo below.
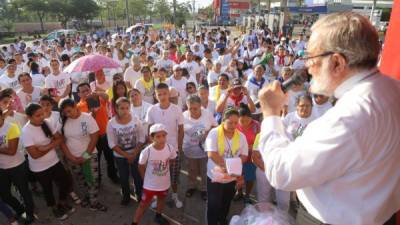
(124, 168)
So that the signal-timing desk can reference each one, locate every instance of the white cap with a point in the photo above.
(259, 52)
(157, 127)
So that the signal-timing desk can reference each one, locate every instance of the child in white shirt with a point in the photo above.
(154, 168)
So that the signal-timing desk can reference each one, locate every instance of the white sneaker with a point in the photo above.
(178, 203)
(154, 203)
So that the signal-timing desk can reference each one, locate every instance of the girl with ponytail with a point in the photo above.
(40, 141)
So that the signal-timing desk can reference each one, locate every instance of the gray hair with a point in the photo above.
(191, 99)
(351, 35)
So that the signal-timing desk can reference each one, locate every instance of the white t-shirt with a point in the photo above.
(10, 131)
(192, 67)
(195, 130)
(211, 107)
(131, 76)
(157, 176)
(77, 133)
(54, 120)
(38, 79)
(171, 117)
(319, 110)
(140, 112)
(60, 82)
(295, 125)
(9, 82)
(147, 95)
(292, 99)
(249, 54)
(212, 77)
(167, 64)
(180, 86)
(253, 88)
(213, 91)
(212, 146)
(231, 103)
(27, 98)
(126, 136)
(34, 136)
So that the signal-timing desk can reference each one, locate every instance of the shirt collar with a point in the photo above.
(352, 81)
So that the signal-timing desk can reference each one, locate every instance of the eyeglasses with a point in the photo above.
(308, 58)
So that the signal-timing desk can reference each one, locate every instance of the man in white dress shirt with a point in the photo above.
(345, 167)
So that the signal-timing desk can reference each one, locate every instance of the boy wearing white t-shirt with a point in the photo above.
(154, 169)
(171, 116)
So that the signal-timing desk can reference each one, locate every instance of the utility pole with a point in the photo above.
(128, 22)
(174, 18)
(371, 16)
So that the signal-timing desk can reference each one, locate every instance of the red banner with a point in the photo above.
(239, 5)
(390, 56)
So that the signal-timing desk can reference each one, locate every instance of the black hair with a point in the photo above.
(23, 75)
(6, 93)
(68, 102)
(145, 67)
(305, 96)
(114, 91)
(46, 98)
(244, 110)
(30, 110)
(162, 86)
(230, 111)
(34, 67)
(224, 75)
(81, 85)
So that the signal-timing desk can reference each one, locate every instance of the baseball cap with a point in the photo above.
(157, 127)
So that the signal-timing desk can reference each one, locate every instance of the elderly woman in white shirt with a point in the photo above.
(197, 123)
(295, 122)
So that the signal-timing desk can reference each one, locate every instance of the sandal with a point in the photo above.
(238, 196)
(98, 207)
(190, 192)
(75, 198)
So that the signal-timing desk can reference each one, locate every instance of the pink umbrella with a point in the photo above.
(91, 63)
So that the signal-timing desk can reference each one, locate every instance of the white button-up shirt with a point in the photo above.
(345, 167)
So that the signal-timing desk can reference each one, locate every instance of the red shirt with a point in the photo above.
(250, 133)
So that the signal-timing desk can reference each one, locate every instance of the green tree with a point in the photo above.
(40, 7)
(162, 9)
(182, 13)
(65, 10)
(7, 15)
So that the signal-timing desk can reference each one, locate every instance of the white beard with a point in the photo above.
(321, 85)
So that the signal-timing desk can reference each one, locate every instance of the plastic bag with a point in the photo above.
(262, 214)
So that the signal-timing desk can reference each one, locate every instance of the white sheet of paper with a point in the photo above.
(234, 166)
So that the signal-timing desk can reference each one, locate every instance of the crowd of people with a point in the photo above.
(177, 96)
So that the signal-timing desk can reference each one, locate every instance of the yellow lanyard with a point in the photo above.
(221, 141)
(147, 85)
(217, 93)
